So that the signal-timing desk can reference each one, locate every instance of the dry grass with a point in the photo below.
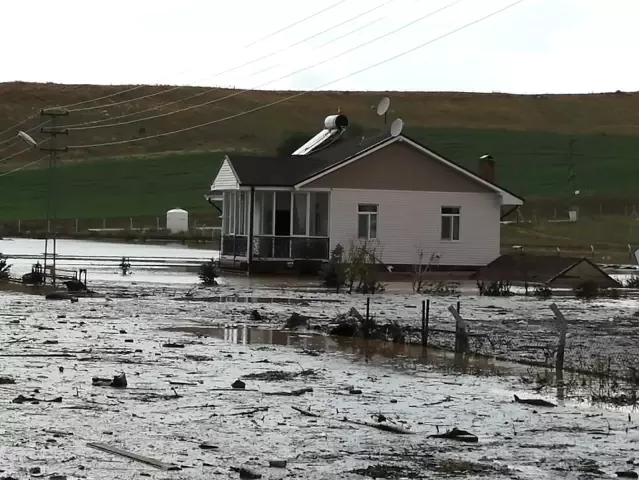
(613, 113)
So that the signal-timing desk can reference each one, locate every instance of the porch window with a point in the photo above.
(264, 213)
(367, 221)
(319, 212)
(242, 206)
(450, 223)
(300, 214)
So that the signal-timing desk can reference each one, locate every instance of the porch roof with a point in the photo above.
(263, 171)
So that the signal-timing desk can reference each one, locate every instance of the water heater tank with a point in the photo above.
(336, 122)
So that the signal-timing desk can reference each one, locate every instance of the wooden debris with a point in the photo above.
(22, 399)
(183, 384)
(457, 434)
(294, 393)
(133, 456)
(306, 413)
(7, 381)
(628, 474)
(173, 345)
(537, 402)
(277, 463)
(208, 446)
(118, 381)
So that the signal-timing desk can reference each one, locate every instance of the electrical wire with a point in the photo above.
(240, 92)
(262, 107)
(13, 155)
(291, 26)
(232, 69)
(137, 87)
(22, 167)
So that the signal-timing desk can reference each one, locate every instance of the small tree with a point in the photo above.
(5, 268)
(209, 271)
(333, 275)
(125, 266)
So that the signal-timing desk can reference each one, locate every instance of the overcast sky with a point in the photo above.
(539, 46)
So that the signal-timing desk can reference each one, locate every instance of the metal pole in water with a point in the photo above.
(368, 308)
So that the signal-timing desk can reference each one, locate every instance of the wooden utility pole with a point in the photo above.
(54, 150)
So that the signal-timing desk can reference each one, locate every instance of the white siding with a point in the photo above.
(225, 179)
(408, 221)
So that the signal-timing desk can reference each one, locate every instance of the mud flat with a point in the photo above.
(315, 409)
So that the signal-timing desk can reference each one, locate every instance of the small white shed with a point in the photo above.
(177, 220)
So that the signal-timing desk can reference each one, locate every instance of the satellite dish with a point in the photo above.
(27, 138)
(396, 127)
(382, 106)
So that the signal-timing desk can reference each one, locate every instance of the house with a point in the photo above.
(553, 271)
(289, 212)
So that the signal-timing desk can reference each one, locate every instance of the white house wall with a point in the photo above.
(225, 179)
(410, 220)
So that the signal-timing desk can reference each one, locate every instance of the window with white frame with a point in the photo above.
(451, 219)
(367, 221)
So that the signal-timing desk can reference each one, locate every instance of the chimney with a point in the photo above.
(487, 168)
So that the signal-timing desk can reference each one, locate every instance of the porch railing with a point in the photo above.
(308, 248)
(234, 245)
(267, 246)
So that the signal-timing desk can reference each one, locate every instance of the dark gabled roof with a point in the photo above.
(348, 148)
(535, 269)
(262, 171)
(287, 171)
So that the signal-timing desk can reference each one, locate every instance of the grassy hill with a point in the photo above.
(534, 139)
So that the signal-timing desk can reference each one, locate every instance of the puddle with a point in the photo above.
(248, 299)
(376, 352)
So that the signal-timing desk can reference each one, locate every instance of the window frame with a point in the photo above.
(451, 216)
(368, 210)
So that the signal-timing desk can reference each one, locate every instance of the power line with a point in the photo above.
(13, 155)
(293, 25)
(22, 167)
(262, 107)
(232, 69)
(137, 87)
(240, 92)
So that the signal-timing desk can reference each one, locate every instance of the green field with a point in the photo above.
(113, 188)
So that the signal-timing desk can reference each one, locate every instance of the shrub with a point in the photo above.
(587, 289)
(361, 274)
(500, 288)
(5, 268)
(333, 274)
(543, 291)
(209, 271)
(632, 282)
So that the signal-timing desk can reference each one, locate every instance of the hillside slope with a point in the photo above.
(611, 114)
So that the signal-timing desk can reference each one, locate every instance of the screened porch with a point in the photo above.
(279, 225)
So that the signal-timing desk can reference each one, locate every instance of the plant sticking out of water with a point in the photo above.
(632, 282)
(209, 272)
(589, 289)
(421, 285)
(500, 288)
(333, 274)
(5, 268)
(362, 262)
(542, 291)
(125, 266)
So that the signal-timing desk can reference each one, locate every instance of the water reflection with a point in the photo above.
(405, 356)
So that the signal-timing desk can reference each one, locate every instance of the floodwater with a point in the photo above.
(182, 347)
(181, 398)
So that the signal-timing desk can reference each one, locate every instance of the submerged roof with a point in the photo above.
(537, 269)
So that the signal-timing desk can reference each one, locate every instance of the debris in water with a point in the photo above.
(457, 434)
(33, 400)
(296, 321)
(239, 385)
(294, 393)
(133, 456)
(628, 474)
(208, 446)
(277, 463)
(119, 381)
(354, 391)
(173, 345)
(278, 375)
(7, 381)
(537, 402)
(246, 473)
(256, 316)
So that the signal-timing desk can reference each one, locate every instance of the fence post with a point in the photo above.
(368, 308)
(458, 307)
(48, 226)
(563, 327)
(157, 223)
(104, 224)
(461, 337)
(130, 223)
(425, 321)
(77, 225)
(19, 226)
